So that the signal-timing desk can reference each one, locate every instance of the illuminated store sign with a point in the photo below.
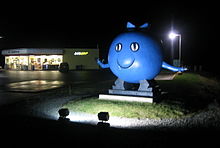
(79, 53)
(32, 51)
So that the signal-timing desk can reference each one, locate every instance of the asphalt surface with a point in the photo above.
(17, 85)
(29, 122)
(23, 84)
(71, 76)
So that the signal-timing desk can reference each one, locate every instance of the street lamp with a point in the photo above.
(172, 36)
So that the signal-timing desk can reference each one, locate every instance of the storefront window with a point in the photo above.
(45, 62)
(16, 62)
(33, 62)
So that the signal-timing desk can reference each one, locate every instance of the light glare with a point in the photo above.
(172, 35)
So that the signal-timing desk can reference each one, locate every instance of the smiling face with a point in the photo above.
(133, 56)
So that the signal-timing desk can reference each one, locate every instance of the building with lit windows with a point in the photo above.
(50, 59)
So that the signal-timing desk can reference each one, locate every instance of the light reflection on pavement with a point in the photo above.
(34, 85)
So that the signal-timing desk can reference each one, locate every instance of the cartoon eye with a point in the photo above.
(118, 47)
(134, 46)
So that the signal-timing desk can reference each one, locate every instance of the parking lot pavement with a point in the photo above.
(9, 97)
(34, 85)
(3, 78)
(23, 84)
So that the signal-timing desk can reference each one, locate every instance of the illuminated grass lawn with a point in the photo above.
(187, 94)
(191, 84)
(125, 109)
(193, 91)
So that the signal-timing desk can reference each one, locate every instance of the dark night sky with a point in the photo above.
(89, 24)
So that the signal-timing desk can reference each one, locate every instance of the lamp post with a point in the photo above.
(172, 36)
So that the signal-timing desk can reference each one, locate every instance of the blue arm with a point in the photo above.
(173, 68)
(102, 65)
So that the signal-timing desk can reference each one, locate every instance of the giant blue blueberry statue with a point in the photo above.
(135, 57)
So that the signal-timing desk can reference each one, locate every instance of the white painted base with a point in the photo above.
(125, 98)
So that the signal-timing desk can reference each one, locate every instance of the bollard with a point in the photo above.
(70, 89)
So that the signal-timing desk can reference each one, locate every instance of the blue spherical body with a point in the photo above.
(134, 56)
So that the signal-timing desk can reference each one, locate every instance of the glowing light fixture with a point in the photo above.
(103, 116)
(172, 36)
(64, 112)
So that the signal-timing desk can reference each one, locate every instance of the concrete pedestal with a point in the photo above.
(131, 92)
(126, 98)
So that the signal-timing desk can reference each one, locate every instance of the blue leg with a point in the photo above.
(144, 86)
(119, 84)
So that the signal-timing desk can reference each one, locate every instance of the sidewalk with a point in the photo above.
(166, 76)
